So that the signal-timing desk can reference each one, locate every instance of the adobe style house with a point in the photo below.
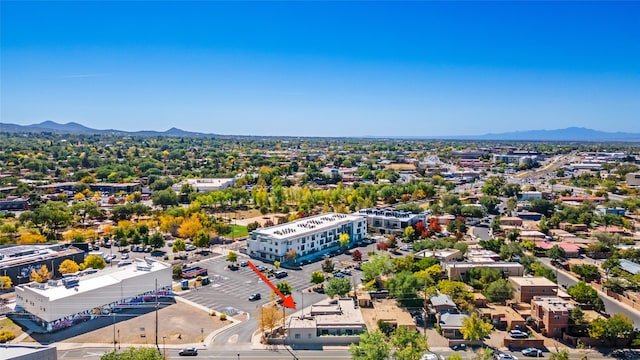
(526, 288)
(551, 315)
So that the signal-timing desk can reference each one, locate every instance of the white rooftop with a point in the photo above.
(102, 278)
(309, 225)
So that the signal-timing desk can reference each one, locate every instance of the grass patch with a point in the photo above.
(237, 231)
(8, 324)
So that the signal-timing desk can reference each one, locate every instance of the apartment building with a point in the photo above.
(389, 221)
(308, 237)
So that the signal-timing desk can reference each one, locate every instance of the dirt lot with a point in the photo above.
(179, 322)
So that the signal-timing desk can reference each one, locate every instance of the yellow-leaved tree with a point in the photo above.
(190, 227)
(41, 275)
(68, 267)
(30, 238)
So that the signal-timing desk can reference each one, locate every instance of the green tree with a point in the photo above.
(284, 288)
(616, 330)
(377, 265)
(317, 277)
(201, 239)
(585, 294)
(408, 344)
(178, 245)
(232, 257)
(156, 240)
(556, 253)
(141, 353)
(338, 286)
(84, 209)
(587, 272)
(475, 328)
(403, 286)
(510, 250)
(372, 346)
(165, 198)
(499, 291)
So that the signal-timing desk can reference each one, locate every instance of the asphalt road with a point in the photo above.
(611, 305)
(281, 354)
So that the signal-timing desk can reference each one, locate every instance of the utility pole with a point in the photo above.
(157, 305)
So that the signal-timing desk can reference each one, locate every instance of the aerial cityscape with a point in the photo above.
(319, 180)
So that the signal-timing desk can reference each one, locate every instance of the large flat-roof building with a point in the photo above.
(205, 184)
(17, 261)
(61, 303)
(308, 237)
(389, 221)
(526, 288)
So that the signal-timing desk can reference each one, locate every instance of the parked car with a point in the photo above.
(254, 297)
(518, 334)
(532, 352)
(124, 256)
(244, 264)
(124, 263)
(188, 352)
(189, 247)
(503, 356)
(338, 275)
(346, 271)
(280, 274)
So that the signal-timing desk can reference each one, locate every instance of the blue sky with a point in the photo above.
(322, 68)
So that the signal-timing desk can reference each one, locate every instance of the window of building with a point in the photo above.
(297, 336)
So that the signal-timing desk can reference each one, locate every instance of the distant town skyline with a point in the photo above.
(322, 68)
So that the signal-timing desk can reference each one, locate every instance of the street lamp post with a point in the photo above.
(202, 333)
(164, 348)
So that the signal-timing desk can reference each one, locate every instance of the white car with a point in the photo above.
(506, 357)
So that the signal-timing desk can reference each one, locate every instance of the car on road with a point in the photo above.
(244, 264)
(518, 334)
(188, 352)
(254, 297)
(261, 268)
(190, 247)
(124, 256)
(503, 356)
(532, 352)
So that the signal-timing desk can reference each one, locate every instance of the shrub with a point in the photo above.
(213, 313)
(6, 335)
(223, 317)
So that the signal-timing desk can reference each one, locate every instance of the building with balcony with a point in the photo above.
(389, 221)
(308, 237)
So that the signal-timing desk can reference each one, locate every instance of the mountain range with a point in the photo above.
(566, 134)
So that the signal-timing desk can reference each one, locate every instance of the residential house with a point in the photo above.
(450, 324)
(526, 288)
(551, 315)
(441, 303)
